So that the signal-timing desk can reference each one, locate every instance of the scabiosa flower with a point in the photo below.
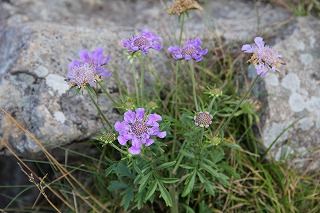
(264, 57)
(138, 128)
(107, 138)
(215, 140)
(180, 6)
(192, 50)
(88, 69)
(143, 42)
(203, 119)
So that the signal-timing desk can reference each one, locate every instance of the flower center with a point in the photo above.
(83, 74)
(188, 51)
(267, 55)
(138, 128)
(141, 41)
(203, 119)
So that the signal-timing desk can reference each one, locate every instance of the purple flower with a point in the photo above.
(203, 119)
(88, 69)
(142, 42)
(264, 57)
(138, 129)
(191, 50)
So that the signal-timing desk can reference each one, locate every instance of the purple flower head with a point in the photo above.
(138, 128)
(203, 119)
(88, 69)
(143, 42)
(192, 50)
(264, 57)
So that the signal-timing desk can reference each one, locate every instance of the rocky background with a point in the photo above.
(38, 39)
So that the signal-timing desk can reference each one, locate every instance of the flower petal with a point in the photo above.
(120, 126)
(84, 56)
(140, 114)
(247, 48)
(129, 116)
(259, 41)
(73, 64)
(153, 118)
(122, 140)
(161, 134)
(136, 142)
(134, 150)
(149, 142)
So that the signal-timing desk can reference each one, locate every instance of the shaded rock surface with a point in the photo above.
(40, 38)
(294, 96)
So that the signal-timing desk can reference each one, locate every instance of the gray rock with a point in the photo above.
(294, 96)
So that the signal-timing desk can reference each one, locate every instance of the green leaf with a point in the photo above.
(210, 163)
(151, 189)
(229, 169)
(189, 184)
(223, 179)
(138, 170)
(168, 180)
(116, 185)
(127, 197)
(110, 169)
(239, 112)
(144, 181)
(232, 145)
(139, 199)
(187, 154)
(209, 169)
(165, 194)
(145, 169)
(188, 166)
(216, 156)
(165, 165)
(188, 208)
(124, 170)
(209, 187)
(158, 160)
(201, 176)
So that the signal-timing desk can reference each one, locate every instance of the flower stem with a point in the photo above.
(175, 197)
(117, 148)
(135, 80)
(175, 109)
(115, 104)
(142, 78)
(181, 29)
(180, 157)
(99, 110)
(193, 84)
(211, 104)
(237, 106)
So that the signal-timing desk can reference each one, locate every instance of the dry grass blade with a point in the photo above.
(62, 169)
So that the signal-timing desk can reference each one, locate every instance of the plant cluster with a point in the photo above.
(178, 156)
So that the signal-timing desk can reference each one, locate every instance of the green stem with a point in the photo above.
(181, 29)
(211, 104)
(142, 78)
(135, 80)
(99, 110)
(174, 208)
(238, 105)
(115, 104)
(193, 84)
(117, 148)
(180, 157)
(175, 111)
